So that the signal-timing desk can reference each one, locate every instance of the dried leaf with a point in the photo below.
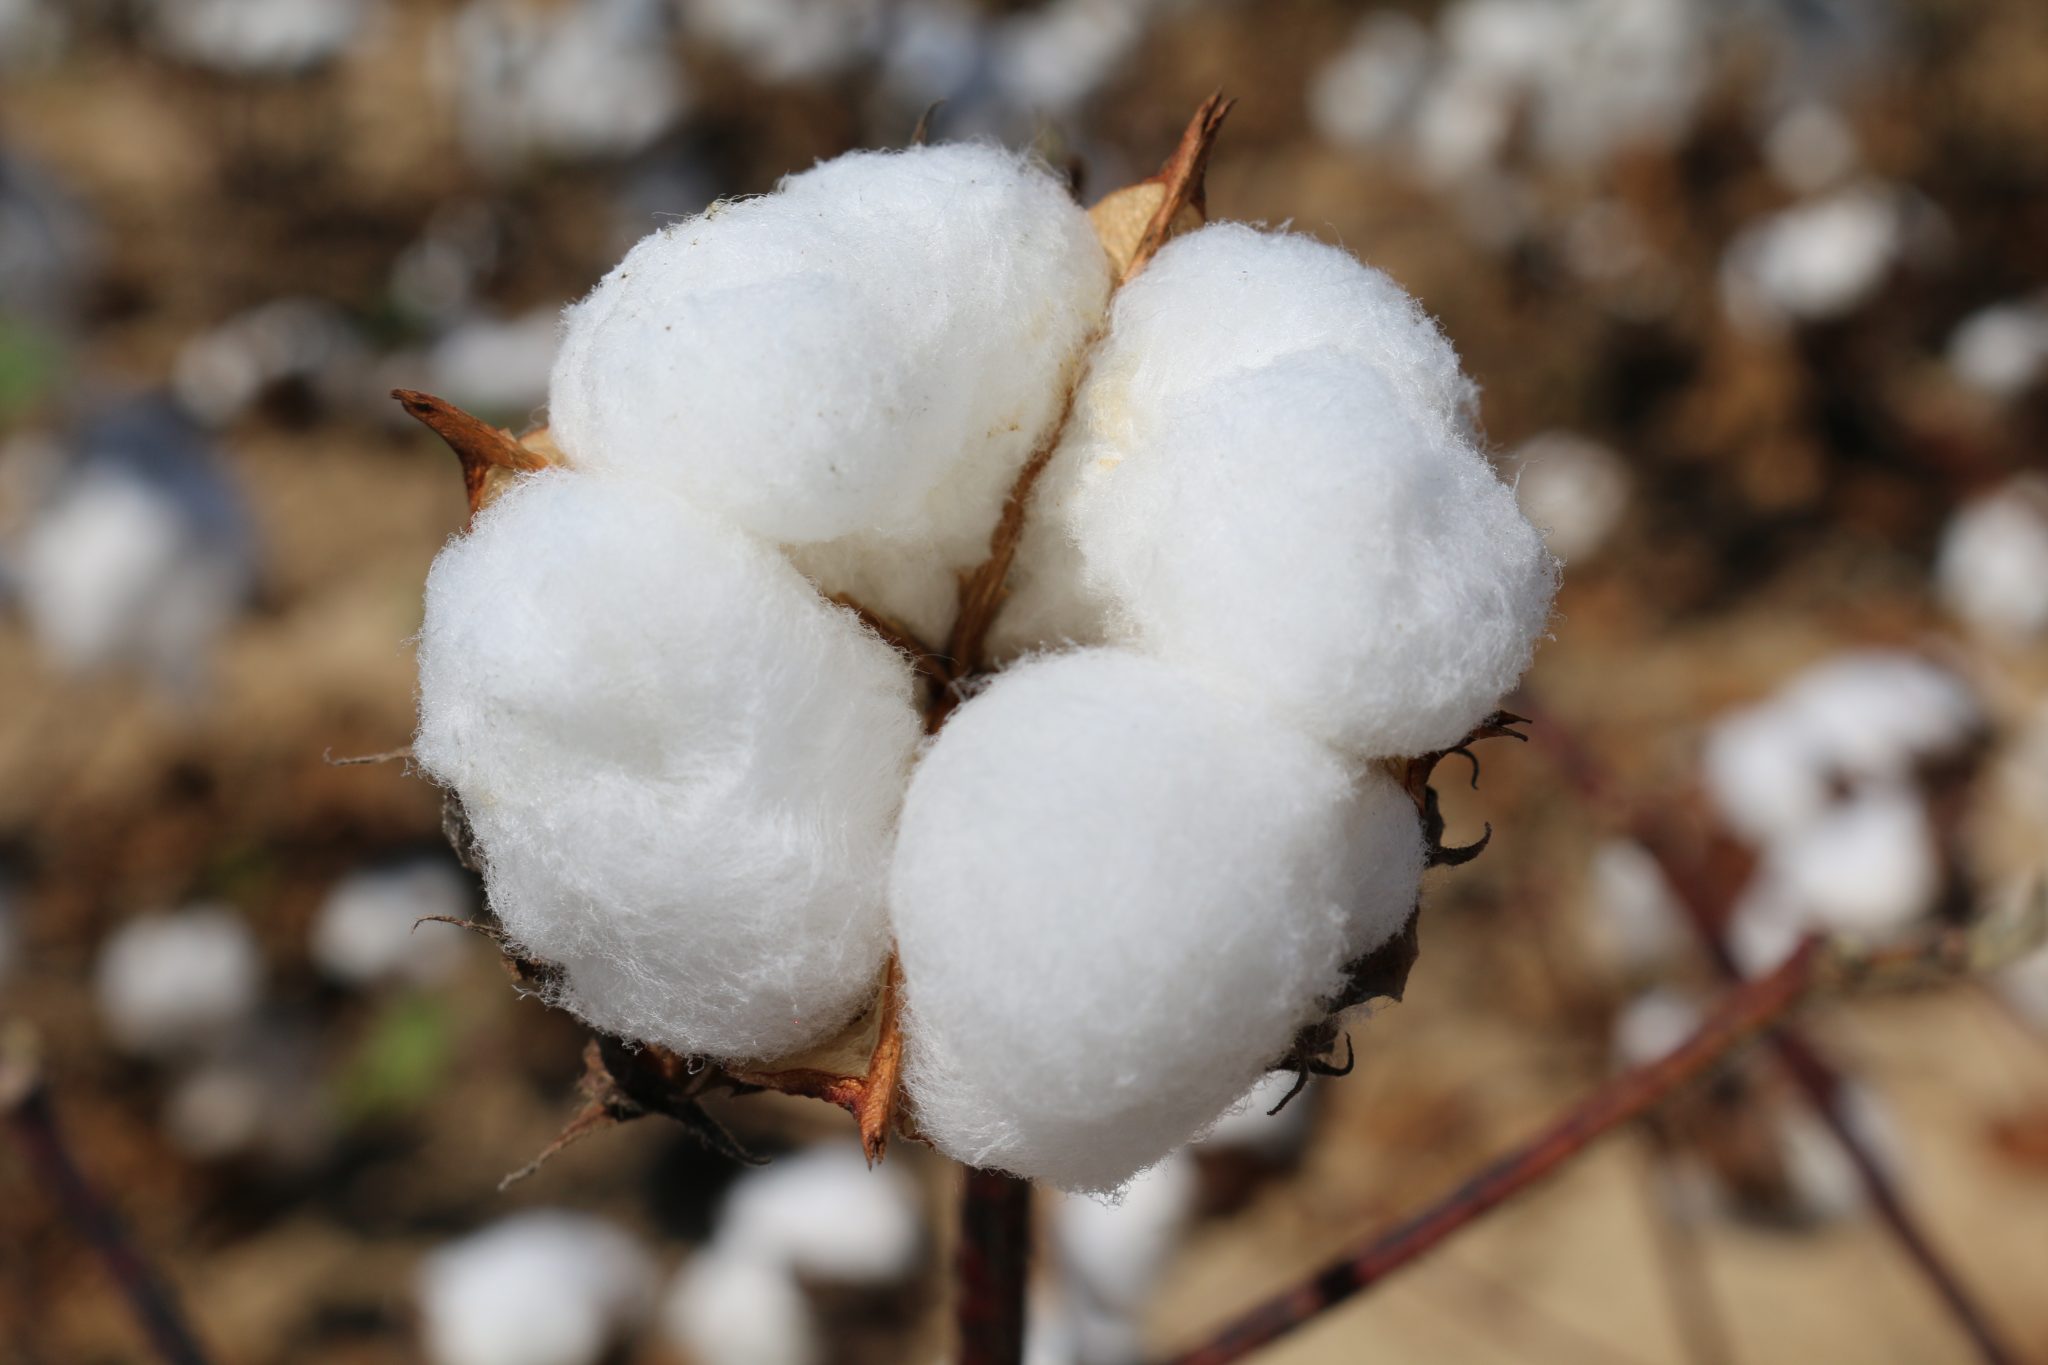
(1134, 222)
(490, 455)
(876, 1111)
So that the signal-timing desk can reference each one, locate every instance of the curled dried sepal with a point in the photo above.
(489, 455)
(1134, 222)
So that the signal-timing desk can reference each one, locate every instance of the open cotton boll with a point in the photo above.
(732, 1308)
(1636, 916)
(177, 979)
(682, 765)
(2001, 350)
(221, 373)
(1364, 94)
(827, 1217)
(1113, 1251)
(1993, 566)
(1271, 481)
(497, 365)
(364, 931)
(1117, 896)
(1816, 260)
(1877, 713)
(1574, 489)
(1654, 1025)
(544, 1287)
(1867, 867)
(817, 362)
(786, 40)
(1051, 59)
(257, 37)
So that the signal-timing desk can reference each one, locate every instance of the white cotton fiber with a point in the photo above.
(786, 40)
(876, 347)
(1653, 1025)
(1362, 95)
(1763, 773)
(1117, 896)
(681, 763)
(827, 1217)
(731, 1308)
(1819, 259)
(177, 979)
(497, 365)
(2001, 350)
(544, 1287)
(257, 37)
(364, 932)
(1271, 479)
(1573, 488)
(1993, 567)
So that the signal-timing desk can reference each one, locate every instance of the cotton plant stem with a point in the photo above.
(1742, 1014)
(32, 1119)
(1816, 1079)
(991, 1264)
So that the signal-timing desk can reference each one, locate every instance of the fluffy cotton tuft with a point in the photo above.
(364, 932)
(1993, 568)
(545, 1287)
(818, 362)
(1816, 260)
(1271, 480)
(827, 1217)
(682, 764)
(179, 979)
(2001, 350)
(731, 1308)
(1574, 489)
(1120, 895)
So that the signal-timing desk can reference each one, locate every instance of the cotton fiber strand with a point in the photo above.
(177, 979)
(682, 765)
(1117, 896)
(1993, 567)
(367, 929)
(817, 362)
(1271, 479)
(732, 1308)
(544, 1287)
(827, 1217)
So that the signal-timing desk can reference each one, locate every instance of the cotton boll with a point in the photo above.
(1631, 72)
(1636, 915)
(1817, 260)
(544, 1287)
(1112, 1252)
(730, 1308)
(2001, 350)
(1877, 714)
(933, 50)
(783, 41)
(681, 764)
(827, 1217)
(260, 1095)
(141, 552)
(1993, 566)
(1574, 489)
(589, 80)
(257, 37)
(364, 932)
(178, 979)
(1653, 1026)
(1052, 59)
(222, 373)
(1117, 896)
(1763, 773)
(1365, 93)
(1270, 478)
(1810, 147)
(874, 348)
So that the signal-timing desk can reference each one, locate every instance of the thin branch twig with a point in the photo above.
(32, 1118)
(991, 1265)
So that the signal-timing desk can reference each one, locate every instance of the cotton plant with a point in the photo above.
(1003, 641)
(541, 1287)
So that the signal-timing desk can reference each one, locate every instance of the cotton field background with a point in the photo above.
(1755, 295)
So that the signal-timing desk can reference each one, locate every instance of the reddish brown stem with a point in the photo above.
(991, 1265)
(1742, 1013)
(33, 1121)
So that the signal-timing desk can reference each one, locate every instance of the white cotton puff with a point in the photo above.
(1271, 479)
(1362, 95)
(1117, 896)
(827, 1217)
(257, 37)
(1051, 59)
(1637, 918)
(681, 763)
(497, 365)
(817, 362)
(1993, 566)
(1810, 147)
(1251, 1126)
(1113, 1251)
(1867, 867)
(1573, 488)
(221, 373)
(731, 1308)
(1762, 772)
(1819, 259)
(2001, 350)
(544, 1287)
(367, 928)
(1653, 1025)
(177, 979)
(786, 40)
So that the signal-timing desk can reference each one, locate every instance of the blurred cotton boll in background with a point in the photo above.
(367, 929)
(729, 1307)
(1111, 1254)
(2001, 350)
(139, 552)
(1816, 260)
(827, 1218)
(1637, 921)
(1992, 572)
(544, 1287)
(781, 41)
(177, 980)
(221, 374)
(1573, 488)
(496, 367)
(257, 37)
(1363, 95)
